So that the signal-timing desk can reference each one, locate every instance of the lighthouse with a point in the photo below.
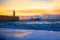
(13, 13)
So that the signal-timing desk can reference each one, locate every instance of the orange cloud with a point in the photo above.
(30, 8)
(26, 4)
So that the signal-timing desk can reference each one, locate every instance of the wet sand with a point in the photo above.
(23, 34)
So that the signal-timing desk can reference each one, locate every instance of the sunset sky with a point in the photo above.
(29, 7)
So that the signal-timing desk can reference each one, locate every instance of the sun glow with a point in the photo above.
(28, 8)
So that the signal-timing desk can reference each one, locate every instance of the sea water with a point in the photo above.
(30, 30)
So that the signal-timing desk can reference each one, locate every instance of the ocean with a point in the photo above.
(29, 30)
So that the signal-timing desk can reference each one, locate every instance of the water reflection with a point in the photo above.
(21, 34)
(14, 33)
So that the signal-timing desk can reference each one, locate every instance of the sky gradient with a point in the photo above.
(49, 6)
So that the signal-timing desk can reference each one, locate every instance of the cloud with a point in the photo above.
(28, 4)
(41, 0)
(36, 0)
(3, 1)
